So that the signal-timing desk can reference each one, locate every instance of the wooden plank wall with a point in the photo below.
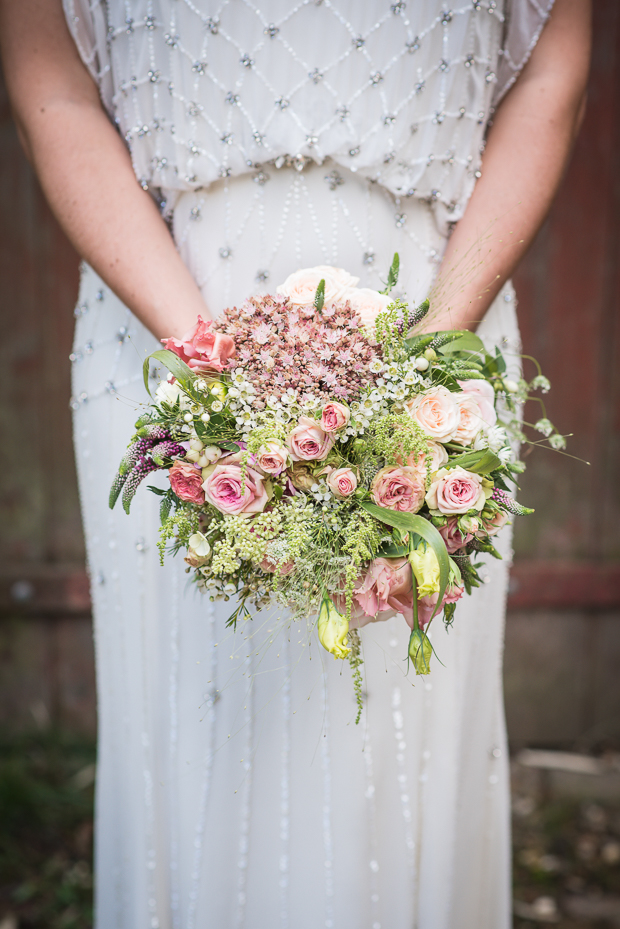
(563, 630)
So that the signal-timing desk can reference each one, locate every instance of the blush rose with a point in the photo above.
(485, 395)
(436, 412)
(470, 419)
(201, 348)
(186, 482)
(398, 488)
(342, 482)
(233, 493)
(272, 458)
(309, 442)
(456, 491)
(334, 416)
(453, 537)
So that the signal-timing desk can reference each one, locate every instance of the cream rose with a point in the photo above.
(342, 482)
(367, 304)
(470, 419)
(272, 458)
(456, 491)
(399, 489)
(485, 395)
(300, 286)
(308, 442)
(436, 412)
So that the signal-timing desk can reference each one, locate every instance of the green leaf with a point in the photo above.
(392, 550)
(411, 522)
(392, 274)
(319, 297)
(171, 361)
(467, 342)
(480, 462)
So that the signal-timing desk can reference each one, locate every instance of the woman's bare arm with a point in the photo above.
(527, 150)
(86, 172)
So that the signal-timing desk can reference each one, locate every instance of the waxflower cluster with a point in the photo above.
(325, 454)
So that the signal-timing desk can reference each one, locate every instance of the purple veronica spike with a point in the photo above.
(141, 469)
(167, 449)
(507, 503)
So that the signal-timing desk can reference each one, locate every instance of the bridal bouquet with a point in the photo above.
(323, 455)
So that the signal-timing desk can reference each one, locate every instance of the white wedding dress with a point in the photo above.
(233, 788)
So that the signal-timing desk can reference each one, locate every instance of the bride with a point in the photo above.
(195, 152)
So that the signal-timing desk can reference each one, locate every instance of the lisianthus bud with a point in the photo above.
(469, 524)
(198, 550)
(425, 566)
(420, 651)
(333, 629)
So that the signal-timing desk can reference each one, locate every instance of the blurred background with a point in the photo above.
(562, 662)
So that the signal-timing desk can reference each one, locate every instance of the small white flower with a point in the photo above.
(504, 454)
(557, 441)
(217, 406)
(421, 364)
(544, 426)
(376, 366)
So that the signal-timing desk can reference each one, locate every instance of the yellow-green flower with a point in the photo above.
(420, 651)
(425, 566)
(333, 630)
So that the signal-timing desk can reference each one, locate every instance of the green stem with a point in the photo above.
(416, 625)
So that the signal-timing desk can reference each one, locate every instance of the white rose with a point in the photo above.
(367, 304)
(300, 287)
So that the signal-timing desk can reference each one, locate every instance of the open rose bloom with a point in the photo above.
(325, 454)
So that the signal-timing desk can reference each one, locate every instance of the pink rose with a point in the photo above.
(437, 454)
(427, 604)
(397, 488)
(367, 304)
(485, 395)
(436, 412)
(231, 493)
(271, 567)
(272, 457)
(300, 287)
(470, 419)
(492, 526)
(342, 482)
(186, 482)
(334, 416)
(384, 590)
(202, 349)
(309, 442)
(453, 537)
(456, 491)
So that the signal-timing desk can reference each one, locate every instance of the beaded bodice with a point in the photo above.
(400, 92)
